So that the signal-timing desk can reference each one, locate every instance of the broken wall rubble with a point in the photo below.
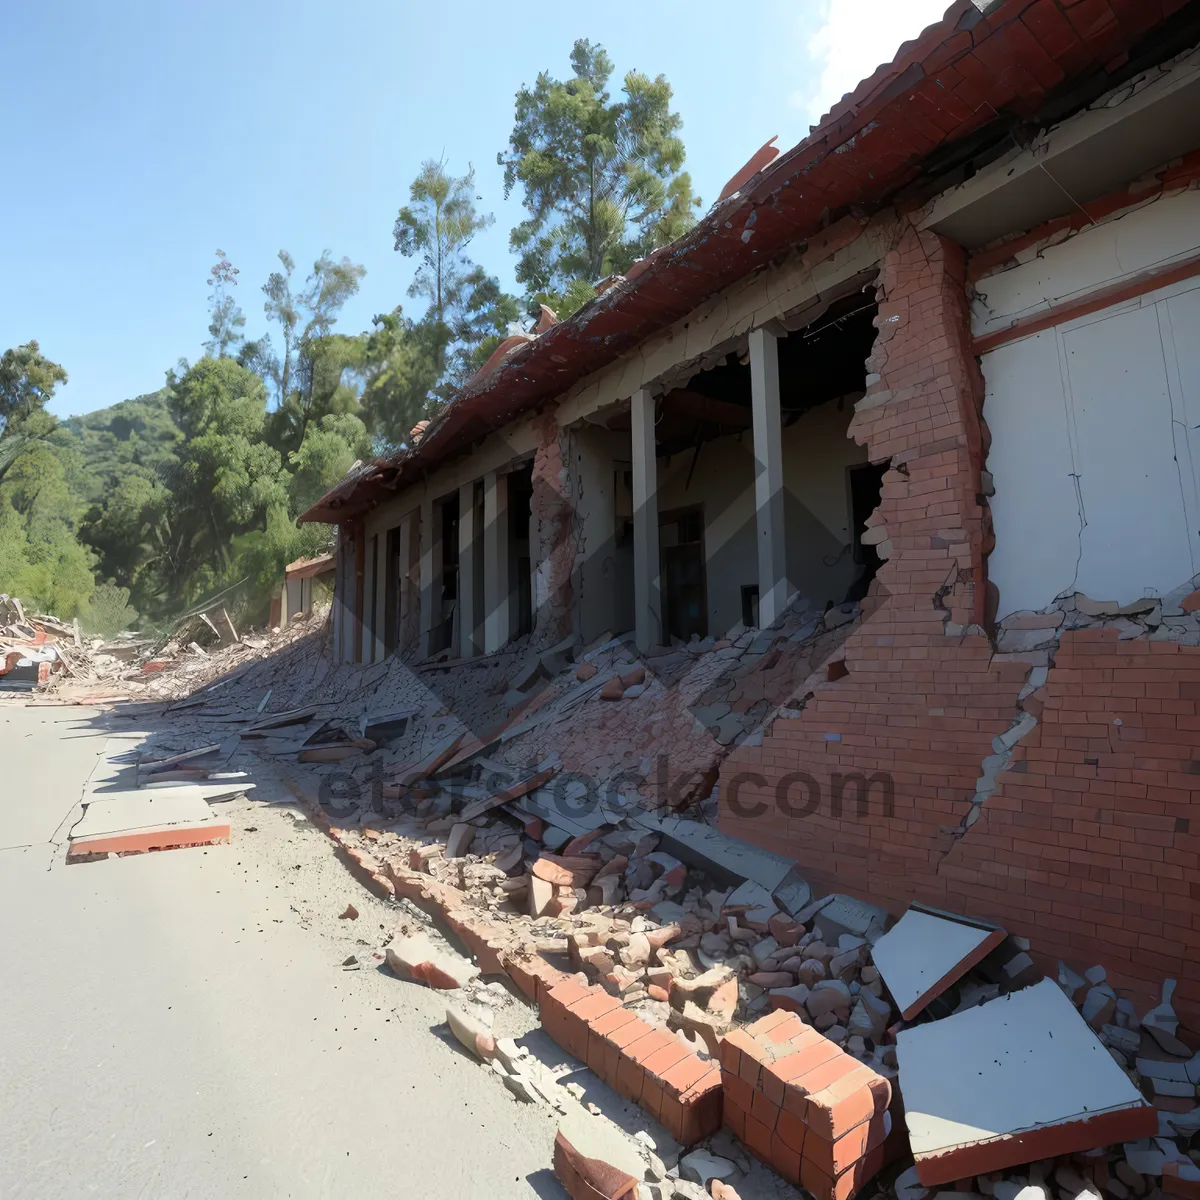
(1055, 797)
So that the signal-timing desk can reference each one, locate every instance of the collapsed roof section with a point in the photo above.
(965, 91)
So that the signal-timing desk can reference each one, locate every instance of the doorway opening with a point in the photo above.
(684, 580)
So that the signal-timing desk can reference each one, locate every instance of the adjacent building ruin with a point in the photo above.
(938, 362)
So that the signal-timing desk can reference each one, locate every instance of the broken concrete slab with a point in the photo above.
(600, 1140)
(1017, 1079)
(754, 902)
(794, 894)
(417, 959)
(472, 1032)
(845, 914)
(460, 839)
(586, 1178)
(926, 951)
(146, 819)
(726, 858)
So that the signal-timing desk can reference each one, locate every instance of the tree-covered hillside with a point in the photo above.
(141, 510)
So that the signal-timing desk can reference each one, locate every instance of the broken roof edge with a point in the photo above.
(835, 168)
(337, 505)
(305, 568)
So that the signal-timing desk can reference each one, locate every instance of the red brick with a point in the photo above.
(761, 1109)
(847, 1102)
(790, 1129)
(758, 1138)
(735, 1118)
(832, 1158)
(784, 1159)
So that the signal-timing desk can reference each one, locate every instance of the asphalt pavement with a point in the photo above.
(180, 1023)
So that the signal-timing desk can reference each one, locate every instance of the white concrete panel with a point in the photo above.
(138, 811)
(1097, 257)
(1179, 318)
(774, 590)
(1035, 511)
(1095, 447)
(1135, 536)
(924, 953)
(1014, 1064)
(647, 582)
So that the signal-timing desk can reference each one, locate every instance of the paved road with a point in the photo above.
(179, 1024)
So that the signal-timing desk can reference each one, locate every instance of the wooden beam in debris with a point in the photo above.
(542, 774)
(294, 716)
(441, 754)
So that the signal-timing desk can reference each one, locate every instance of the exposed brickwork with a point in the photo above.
(1064, 847)
(1093, 834)
(806, 1108)
(649, 1067)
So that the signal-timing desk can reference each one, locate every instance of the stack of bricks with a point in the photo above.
(804, 1106)
(649, 1067)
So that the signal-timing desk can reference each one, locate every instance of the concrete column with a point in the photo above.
(366, 626)
(774, 590)
(468, 618)
(428, 544)
(646, 563)
(292, 592)
(381, 582)
(407, 620)
(496, 602)
(339, 592)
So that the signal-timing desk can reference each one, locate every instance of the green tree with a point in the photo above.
(43, 561)
(437, 226)
(465, 303)
(226, 320)
(308, 372)
(27, 382)
(225, 479)
(126, 527)
(602, 178)
(329, 450)
(108, 612)
(403, 362)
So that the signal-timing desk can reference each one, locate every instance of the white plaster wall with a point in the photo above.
(724, 483)
(816, 455)
(1152, 236)
(596, 454)
(1095, 451)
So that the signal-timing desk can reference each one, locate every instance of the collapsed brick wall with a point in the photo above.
(552, 535)
(1088, 839)
(925, 695)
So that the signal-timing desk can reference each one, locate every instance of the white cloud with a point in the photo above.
(855, 37)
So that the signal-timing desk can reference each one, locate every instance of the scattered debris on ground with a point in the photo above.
(525, 795)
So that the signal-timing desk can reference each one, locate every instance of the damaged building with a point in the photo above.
(887, 478)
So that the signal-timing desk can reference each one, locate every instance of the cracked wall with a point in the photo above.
(909, 703)
(1096, 421)
(1048, 780)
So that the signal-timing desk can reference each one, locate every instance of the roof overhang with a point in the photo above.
(963, 93)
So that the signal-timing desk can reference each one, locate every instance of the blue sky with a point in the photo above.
(142, 136)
